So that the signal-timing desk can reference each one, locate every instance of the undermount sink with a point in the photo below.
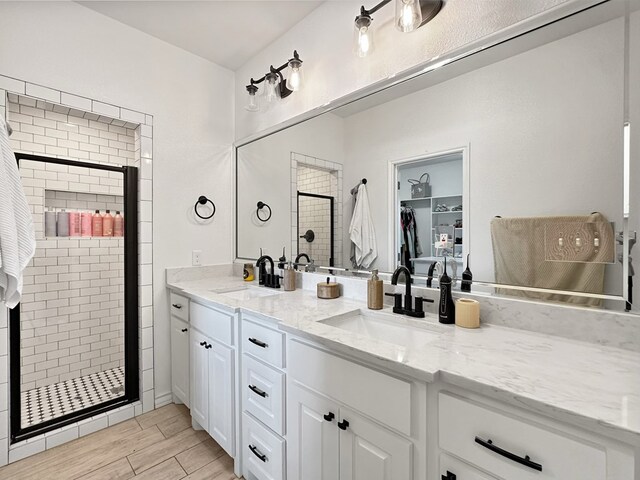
(386, 327)
(247, 293)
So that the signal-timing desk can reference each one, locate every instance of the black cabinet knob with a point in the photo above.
(183, 330)
(449, 476)
(202, 344)
(343, 425)
(329, 416)
(208, 346)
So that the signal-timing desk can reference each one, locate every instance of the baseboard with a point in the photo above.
(164, 399)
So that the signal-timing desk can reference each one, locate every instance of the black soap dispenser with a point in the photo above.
(467, 278)
(446, 307)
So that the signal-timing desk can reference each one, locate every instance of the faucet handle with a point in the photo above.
(397, 302)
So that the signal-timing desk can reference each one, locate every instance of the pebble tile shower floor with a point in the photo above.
(53, 401)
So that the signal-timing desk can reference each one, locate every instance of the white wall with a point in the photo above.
(543, 127)
(69, 47)
(264, 174)
(324, 40)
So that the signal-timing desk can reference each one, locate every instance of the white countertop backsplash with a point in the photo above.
(594, 385)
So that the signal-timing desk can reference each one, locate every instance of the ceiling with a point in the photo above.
(226, 32)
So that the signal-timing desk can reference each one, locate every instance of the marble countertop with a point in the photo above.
(585, 384)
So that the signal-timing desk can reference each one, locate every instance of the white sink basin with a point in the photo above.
(388, 328)
(247, 293)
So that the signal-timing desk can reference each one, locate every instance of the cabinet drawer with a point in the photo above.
(263, 342)
(353, 385)
(450, 466)
(179, 306)
(263, 393)
(464, 426)
(212, 323)
(263, 451)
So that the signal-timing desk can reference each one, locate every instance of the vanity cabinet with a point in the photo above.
(179, 348)
(213, 374)
(180, 360)
(262, 390)
(350, 422)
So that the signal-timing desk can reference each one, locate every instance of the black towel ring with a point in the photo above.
(202, 200)
(262, 205)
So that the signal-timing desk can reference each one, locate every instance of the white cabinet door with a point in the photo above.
(180, 359)
(371, 452)
(221, 397)
(312, 440)
(199, 378)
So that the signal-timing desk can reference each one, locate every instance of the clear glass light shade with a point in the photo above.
(271, 88)
(363, 43)
(252, 103)
(408, 15)
(296, 77)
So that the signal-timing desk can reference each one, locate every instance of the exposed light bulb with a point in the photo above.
(408, 15)
(252, 104)
(294, 79)
(363, 35)
(270, 90)
(363, 41)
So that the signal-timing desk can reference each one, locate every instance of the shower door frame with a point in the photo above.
(131, 320)
(332, 203)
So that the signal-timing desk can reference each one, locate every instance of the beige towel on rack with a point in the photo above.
(529, 252)
(17, 237)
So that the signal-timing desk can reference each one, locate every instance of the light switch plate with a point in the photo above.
(195, 258)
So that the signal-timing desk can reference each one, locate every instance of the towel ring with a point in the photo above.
(202, 200)
(262, 205)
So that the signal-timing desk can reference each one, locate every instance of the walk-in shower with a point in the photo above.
(74, 336)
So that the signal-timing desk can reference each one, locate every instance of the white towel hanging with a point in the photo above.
(362, 231)
(17, 236)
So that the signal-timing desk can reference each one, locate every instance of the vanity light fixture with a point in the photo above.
(275, 85)
(410, 15)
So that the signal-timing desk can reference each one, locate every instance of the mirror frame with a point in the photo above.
(529, 25)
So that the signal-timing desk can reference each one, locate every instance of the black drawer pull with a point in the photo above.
(526, 461)
(258, 342)
(343, 425)
(329, 416)
(176, 305)
(257, 453)
(183, 330)
(257, 391)
(208, 346)
(449, 476)
(202, 344)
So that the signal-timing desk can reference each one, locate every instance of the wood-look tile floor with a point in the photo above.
(159, 445)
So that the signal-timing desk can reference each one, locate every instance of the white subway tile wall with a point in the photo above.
(47, 122)
(72, 310)
(313, 175)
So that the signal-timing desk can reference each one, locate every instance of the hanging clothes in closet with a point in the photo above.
(410, 244)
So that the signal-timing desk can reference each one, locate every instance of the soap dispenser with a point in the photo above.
(467, 278)
(446, 307)
(374, 292)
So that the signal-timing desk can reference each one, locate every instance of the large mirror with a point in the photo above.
(514, 160)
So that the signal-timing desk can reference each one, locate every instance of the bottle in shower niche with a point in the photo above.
(74, 224)
(96, 224)
(50, 229)
(118, 225)
(63, 223)
(85, 224)
(107, 224)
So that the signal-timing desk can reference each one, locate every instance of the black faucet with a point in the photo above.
(296, 262)
(408, 303)
(270, 280)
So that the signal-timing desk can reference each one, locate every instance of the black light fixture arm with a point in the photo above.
(278, 70)
(365, 12)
